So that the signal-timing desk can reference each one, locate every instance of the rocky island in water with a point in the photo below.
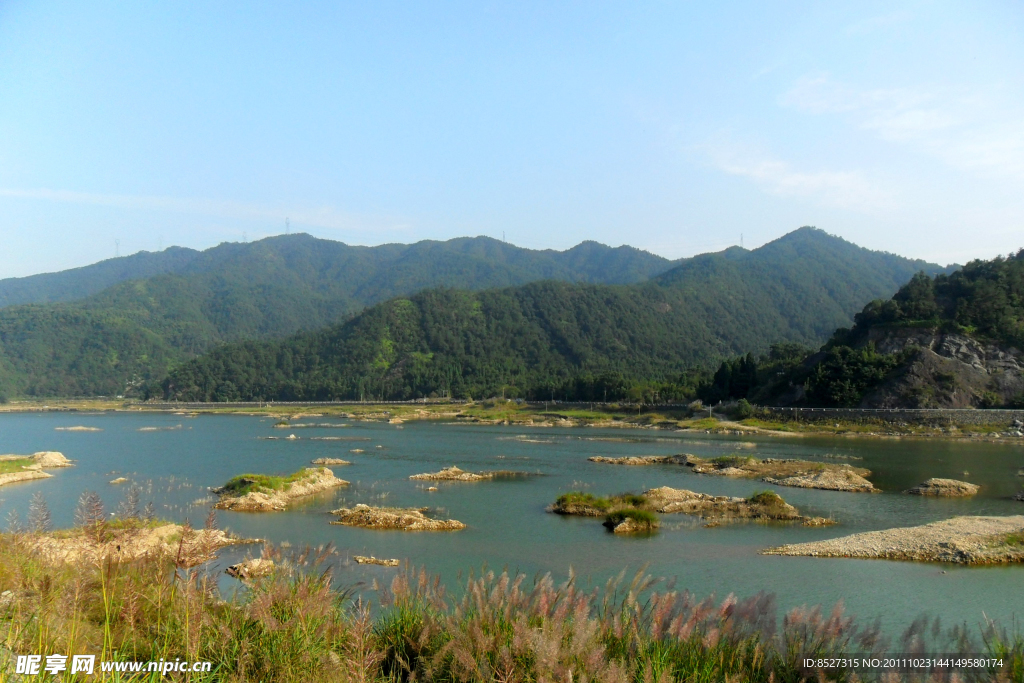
(778, 471)
(266, 493)
(453, 473)
(15, 468)
(637, 512)
(404, 519)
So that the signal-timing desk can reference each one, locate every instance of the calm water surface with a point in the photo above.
(507, 524)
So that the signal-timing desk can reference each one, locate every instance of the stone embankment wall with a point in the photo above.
(898, 415)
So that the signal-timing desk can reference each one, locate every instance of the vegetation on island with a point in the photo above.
(639, 510)
(631, 521)
(246, 483)
(15, 465)
(270, 493)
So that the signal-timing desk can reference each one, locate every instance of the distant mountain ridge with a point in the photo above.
(591, 309)
(464, 259)
(135, 329)
(78, 283)
(574, 340)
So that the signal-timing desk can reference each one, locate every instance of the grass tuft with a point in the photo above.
(14, 465)
(244, 483)
(643, 518)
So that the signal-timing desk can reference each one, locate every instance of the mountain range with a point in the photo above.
(120, 326)
(559, 338)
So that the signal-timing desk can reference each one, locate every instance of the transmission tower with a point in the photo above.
(117, 248)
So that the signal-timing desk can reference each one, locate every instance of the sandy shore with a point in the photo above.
(963, 540)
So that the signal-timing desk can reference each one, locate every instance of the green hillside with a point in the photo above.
(78, 283)
(137, 329)
(950, 340)
(575, 341)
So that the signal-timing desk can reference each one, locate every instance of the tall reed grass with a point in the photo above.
(295, 625)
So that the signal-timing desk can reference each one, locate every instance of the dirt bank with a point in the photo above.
(171, 540)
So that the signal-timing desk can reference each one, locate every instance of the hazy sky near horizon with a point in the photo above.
(670, 126)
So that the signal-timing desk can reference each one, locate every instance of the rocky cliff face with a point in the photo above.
(946, 371)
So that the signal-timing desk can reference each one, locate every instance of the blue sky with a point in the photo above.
(674, 127)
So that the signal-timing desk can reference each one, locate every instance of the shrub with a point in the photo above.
(767, 497)
(642, 518)
(733, 460)
(583, 498)
(630, 499)
(743, 410)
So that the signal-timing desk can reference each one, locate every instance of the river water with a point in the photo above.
(507, 522)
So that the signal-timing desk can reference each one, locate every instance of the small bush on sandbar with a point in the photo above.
(583, 498)
(733, 460)
(630, 499)
(642, 518)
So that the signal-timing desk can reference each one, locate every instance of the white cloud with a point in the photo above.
(967, 131)
(841, 189)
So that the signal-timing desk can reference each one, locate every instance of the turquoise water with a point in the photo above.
(507, 523)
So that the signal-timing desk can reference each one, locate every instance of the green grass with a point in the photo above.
(645, 519)
(583, 498)
(245, 483)
(1015, 540)
(630, 499)
(627, 500)
(704, 423)
(17, 465)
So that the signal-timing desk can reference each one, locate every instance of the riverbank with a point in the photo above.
(624, 416)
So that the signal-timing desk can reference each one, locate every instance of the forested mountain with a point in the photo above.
(134, 330)
(948, 341)
(573, 340)
(78, 283)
